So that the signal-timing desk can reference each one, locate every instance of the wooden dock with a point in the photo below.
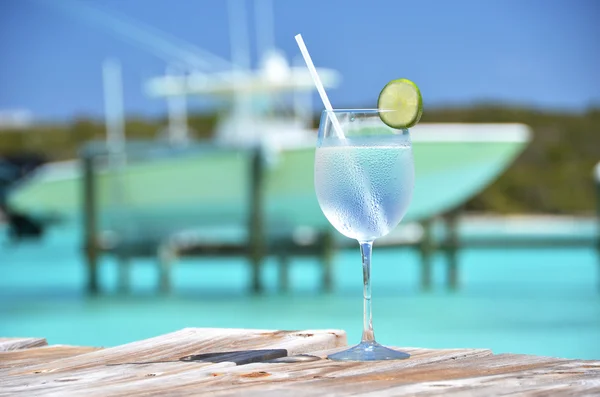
(261, 241)
(196, 361)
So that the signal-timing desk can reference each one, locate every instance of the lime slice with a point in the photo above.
(402, 104)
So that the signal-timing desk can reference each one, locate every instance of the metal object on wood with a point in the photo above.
(243, 364)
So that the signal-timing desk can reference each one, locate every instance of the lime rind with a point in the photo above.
(400, 104)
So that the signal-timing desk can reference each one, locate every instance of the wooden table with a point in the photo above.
(197, 361)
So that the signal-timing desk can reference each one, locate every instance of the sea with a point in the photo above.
(542, 301)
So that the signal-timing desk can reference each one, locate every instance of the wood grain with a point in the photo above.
(232, 362)
(37, 355)
(8, 344)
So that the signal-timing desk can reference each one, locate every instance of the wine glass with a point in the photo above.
(364, 179)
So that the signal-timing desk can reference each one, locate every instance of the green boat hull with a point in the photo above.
(168, 193)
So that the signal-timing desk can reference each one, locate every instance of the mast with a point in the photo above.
(241, 116)
(264, 26)
(177, 109)
(113, 105)
(115, 137)
(302, 98)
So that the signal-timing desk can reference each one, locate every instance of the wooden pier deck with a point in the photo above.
(196, 361)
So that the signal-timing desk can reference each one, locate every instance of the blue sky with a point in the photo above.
(542, 53)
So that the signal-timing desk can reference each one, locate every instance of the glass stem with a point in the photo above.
(365, 251)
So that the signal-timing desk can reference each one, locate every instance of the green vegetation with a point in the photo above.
(553, 175)
(60, 142)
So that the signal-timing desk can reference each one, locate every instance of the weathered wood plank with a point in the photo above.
(233, 362)
(8, 344)
(189, 341)
(129, 365)
(39, 355)
(471, 376)
(313, 377)
(164, 378)
(225, 376)
(550, 378)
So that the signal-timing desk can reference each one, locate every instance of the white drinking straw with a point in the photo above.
(313, 72)
(336, 125)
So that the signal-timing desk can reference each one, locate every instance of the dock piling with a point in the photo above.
(426, 248)
(165, 255)
(451, 246)
(123, 262)
(256, 232)
(327, 257)
(90, 223)
(284, 276)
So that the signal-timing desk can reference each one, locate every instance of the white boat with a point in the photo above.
(196, 187)
(170, 189)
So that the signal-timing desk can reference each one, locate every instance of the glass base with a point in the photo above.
(368, 351)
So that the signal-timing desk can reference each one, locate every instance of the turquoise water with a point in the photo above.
(536, 301)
